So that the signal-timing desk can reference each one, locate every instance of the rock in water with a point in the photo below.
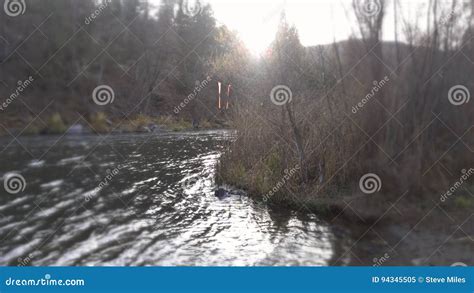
(222, 193)
(76, 129)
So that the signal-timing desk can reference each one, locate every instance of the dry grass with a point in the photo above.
(408, 132)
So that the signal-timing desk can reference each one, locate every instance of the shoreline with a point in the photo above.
(99, 124)
(397, 243)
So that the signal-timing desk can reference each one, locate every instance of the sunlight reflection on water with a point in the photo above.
(160, 209)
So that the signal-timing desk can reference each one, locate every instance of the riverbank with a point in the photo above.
(100, 123)
(268, 181)
(407, 228)
(393, 232)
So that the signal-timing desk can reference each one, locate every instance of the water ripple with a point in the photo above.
(158, 209)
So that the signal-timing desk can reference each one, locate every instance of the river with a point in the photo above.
(145, 199)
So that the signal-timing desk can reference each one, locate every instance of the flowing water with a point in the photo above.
(144, 200)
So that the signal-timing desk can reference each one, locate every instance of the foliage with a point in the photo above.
(150, 55)
(55, 125)
(407, 133)
(98, 122)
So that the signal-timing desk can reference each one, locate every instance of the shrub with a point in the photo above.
(55, 125)
(99, 122)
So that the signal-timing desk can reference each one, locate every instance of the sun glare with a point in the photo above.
(257, 21)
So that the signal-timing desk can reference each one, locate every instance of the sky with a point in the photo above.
(256, 21)
(318, 21)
